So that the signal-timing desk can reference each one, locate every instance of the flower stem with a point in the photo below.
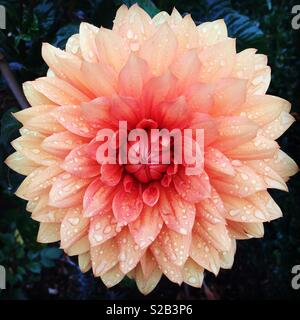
(12, 83)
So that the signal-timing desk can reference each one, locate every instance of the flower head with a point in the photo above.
(146, 219)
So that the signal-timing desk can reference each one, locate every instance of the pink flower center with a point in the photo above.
(146, 172)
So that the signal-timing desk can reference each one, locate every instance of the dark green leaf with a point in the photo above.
(47, 14)
(47, 263)
(34, 267)
(51, 253)
(9, 127)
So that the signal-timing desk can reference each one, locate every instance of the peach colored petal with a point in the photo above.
(241, 230)
(73, 45)
(159, 89)
(233, 131)
(45, 124)
(244, 64)
(284, 165)
(172, 271)
(84, 261)
(277, 127)
(31, 134)
(99, 78)
(51, 54)
(186, 33)
(227, 257)
(148, 264)
(134, 25)
(70, 117)
(87, 35)
(30, 147)
(263, 109)
(259, 207)
(48, 214)
(97, 198)
(171, 115)
(244, 183)
(120, 18)
(271, 177)
(34, 97)
(143, 230)
(217, 162)
(38, 181)
(186, 69)
(214, 234)
(73, 227)
(208, 124)
(79, 247)
(129, 252)
(177, 213)
(60, 144)
(212, 209)
(40, 203)
(151, 194)
(175, 246)
(102, 228)
(173, 20)
(210, 33)
(193, 273)
(59, 91)
(26, 115)
(32, 204)
(192, 188)
(112, 277)
(261, 81)
(265, 202)
(104, 257)
(111, 174)
(135, 69)
(229, 94)
(127, 205)
(262, 75)
(204, 254)
(147, 284)
(20, 163)
(48, 232)
(124, 109)
(79, 164)
(159, 57)
(161, 18)
(217, 61)
(67, 191)
(258, 148)
(67, 67)
(200, 97)
(112, 49)
(97, 112)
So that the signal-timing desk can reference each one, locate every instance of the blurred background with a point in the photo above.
(262, 268)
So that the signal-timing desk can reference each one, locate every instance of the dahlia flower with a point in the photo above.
(145, 220)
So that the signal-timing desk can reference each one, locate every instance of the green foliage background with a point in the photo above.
(262, 268)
